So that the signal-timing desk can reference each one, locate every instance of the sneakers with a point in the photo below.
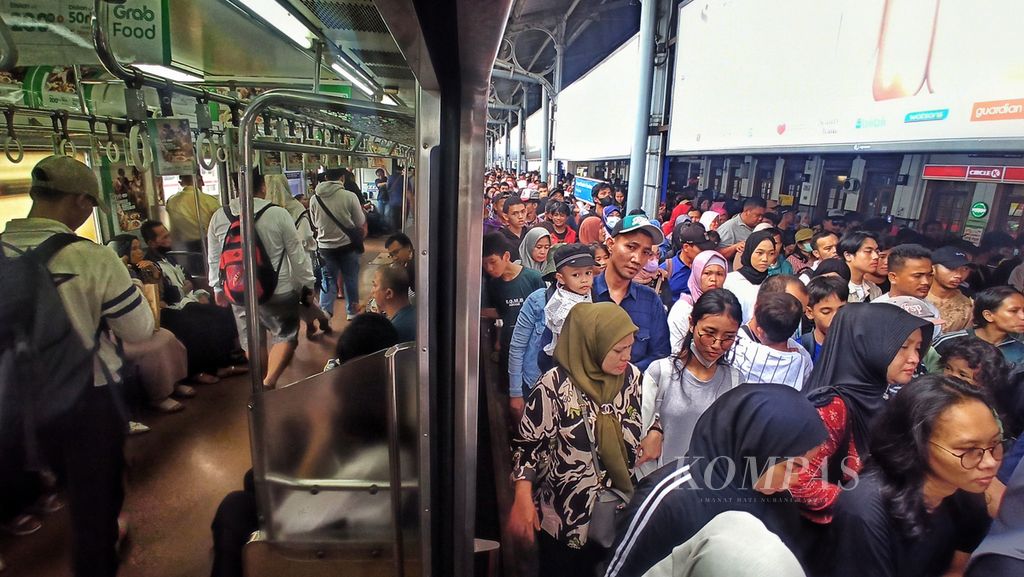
(167, 405)
(183, 391)
(137, 428)
(22, 525)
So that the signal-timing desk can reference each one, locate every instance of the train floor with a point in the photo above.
(178, 473)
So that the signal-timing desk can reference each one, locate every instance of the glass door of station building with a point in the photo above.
(948, 203)
(1009, 214)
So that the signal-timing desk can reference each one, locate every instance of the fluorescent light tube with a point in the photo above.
(352, 78)
(168, 73)
(388, 100)
(279, 17)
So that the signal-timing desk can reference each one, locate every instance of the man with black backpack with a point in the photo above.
(62, 293)
(341, 227)
(283, 273)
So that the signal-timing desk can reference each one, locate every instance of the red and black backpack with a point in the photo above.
(232, 268)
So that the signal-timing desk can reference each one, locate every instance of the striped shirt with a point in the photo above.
(95, 287)
(759, 363)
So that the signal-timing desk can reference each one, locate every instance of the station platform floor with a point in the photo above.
(178, 472)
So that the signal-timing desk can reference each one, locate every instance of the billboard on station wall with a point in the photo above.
(847, 75)
(596, 114)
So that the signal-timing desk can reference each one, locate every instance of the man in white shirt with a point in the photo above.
(764, 351)
(279, 315)
(85, 446)
(860, 251)
(824, 246)
(333, 209)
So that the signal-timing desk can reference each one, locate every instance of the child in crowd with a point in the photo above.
(542, 316)
(975, 362)
(601, 256)
(825, 296)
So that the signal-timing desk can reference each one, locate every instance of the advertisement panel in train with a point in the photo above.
(854, 75)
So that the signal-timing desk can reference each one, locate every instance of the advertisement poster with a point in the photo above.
(847, 74)
(293, 161)
(270, 162)
(48, 32)
(125, 187)
(173, 152)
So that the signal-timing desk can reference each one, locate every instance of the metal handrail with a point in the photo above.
(311, 485)
(247, 143)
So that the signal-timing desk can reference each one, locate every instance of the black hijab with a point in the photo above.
(862, 340)
(749, 426)
(750, 273)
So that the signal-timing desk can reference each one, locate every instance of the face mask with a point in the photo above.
(700, 358)
(806, 247)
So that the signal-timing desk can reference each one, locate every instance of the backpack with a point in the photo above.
(35, 330)
(232, 267)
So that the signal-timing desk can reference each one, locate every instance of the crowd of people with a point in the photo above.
(730, 388)
(132, 329)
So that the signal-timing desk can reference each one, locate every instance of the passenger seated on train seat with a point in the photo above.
(402, 253)
(391, 291)
(207, 331)
(237, 515)
(161, 360)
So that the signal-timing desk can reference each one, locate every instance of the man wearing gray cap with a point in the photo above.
(85, 444)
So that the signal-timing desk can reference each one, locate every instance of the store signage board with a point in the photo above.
(979, 210)
(820, 87)
(583, 188)
(971, 173)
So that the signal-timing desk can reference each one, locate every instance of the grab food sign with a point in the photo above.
(59, 32)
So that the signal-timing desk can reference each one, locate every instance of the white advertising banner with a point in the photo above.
(853, 75)
(596, 114)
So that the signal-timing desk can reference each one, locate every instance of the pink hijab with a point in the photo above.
(700, 262)
(590, 230)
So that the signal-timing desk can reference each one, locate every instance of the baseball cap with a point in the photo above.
(635, 222)
(575, 254)
(63, 174)
(950, 257)
(694, 233)
(804, 235)
(836, 214)
(764, 226)
(529, 195)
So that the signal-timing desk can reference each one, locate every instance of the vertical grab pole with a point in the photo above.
(394, 462)
(641, 124)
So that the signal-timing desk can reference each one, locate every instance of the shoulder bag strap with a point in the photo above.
(51, 246)
(593, 442)
(330, 214)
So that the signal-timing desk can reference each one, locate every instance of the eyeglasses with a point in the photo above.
(971, 458)
(709, 340)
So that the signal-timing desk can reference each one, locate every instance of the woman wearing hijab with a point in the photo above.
(868, 349)
(533, 251)
(591, 230)
(758, 255)
(711, 219)
(764, 430)
(587, 406)
(708, 272)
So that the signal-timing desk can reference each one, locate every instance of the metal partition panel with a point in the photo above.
(341, 456)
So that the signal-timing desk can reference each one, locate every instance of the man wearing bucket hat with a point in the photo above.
(85, 443)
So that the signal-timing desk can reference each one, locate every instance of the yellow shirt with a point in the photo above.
(181, 208)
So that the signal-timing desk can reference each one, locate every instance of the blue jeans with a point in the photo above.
(345, 261)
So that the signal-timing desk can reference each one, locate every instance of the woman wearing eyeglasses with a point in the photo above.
(678, 389)
(917, 508)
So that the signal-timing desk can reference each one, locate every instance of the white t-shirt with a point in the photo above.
(745, 291)
(759, 363)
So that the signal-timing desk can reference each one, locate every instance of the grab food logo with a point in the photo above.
(998, 110)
